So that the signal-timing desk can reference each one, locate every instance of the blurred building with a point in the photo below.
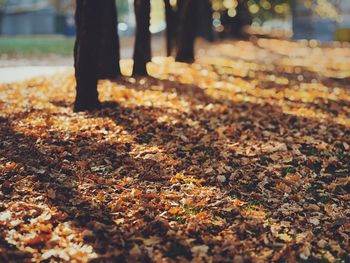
(322, 25)
(31, 17)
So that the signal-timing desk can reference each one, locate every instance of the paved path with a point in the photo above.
(11, 74)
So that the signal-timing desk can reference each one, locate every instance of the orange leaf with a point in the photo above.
(175, 211)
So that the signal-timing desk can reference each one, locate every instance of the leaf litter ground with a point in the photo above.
(242, 156)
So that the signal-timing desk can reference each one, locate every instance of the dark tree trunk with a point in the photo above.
(170, 18)
(142, 51)
(109, 43)
(205, 20)
(244, 18)
(96, 51)
(187, 30)
(235, 26)
(88, 17)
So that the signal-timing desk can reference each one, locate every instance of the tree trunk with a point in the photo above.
(109, 43)
(187, 30)
(96, 51)
(170, 18)
(142, 50)
(205, 20)
(244, 18)
(234, 26)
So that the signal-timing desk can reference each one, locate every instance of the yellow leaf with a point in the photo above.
(285, 237)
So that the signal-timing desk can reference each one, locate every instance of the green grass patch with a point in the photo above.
(36, 45)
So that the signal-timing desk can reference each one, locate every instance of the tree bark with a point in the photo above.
(109, 43)
(205, 20)
(96, 51)
(170, 19)
(142, 50)
(187, 30)
(234, 26)
(244, 18)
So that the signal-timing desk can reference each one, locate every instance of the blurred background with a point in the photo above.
(32, 29)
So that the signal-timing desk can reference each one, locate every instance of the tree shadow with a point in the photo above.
(250, 121)
(48, 172)
(10, 253)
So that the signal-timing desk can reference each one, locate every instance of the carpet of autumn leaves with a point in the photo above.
(240, 157)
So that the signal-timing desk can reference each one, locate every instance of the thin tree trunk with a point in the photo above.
(170, 18)
(142, 50)
(235, 26)
(88, 18)
(187, 30)
(108, 65)
(205, 20)
(244, 18)
(96, 51)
